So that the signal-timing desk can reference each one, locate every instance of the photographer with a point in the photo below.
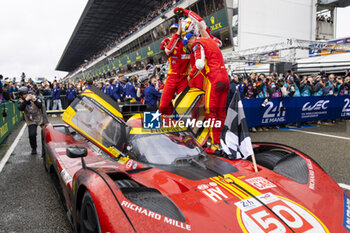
(305, 86)
(317, 89)
(345, 87)
(31, 107)
(337, 85)
(275, 86)
(290, 89)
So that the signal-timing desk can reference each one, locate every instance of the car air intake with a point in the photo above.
(150, 199)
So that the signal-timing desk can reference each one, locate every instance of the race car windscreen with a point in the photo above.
(163, 149)
(96, 123)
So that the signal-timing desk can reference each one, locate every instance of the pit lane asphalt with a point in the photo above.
(29, 202)
(28, 199)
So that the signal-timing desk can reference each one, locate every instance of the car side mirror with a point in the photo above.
(76, 152)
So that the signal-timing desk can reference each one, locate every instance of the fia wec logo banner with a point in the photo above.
(295, 109)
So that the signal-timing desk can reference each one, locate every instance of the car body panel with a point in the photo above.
(241, 201)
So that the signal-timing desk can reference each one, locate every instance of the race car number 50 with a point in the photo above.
(257, 218)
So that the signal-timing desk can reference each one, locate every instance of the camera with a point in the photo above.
(266, 100)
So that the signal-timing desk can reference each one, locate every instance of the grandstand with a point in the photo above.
(124, 36)
(104, 21)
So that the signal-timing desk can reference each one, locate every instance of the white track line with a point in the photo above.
(12, 147)
(319, 134)
(344, 186)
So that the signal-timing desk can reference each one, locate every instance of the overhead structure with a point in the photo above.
(272, 53)
(335, 3)
(100, 24)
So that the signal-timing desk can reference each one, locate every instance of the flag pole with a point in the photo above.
(254, 163)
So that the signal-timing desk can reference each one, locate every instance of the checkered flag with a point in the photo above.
(235, 139)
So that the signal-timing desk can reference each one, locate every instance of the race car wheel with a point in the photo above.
(88, 216)
(43, 154)
(269, 159)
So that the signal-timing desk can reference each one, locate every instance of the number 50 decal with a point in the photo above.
(261, 220)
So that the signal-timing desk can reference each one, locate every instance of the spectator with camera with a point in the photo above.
(305, 86)
(290, 89)
(31, 107)
(345, 86)
(318, 86)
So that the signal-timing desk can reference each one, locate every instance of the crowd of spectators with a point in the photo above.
(290, 85)
(59, 94)
(148, 89)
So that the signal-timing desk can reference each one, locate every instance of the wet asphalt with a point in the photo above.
(28, 199)
(30, 203)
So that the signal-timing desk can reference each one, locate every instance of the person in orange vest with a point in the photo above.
(208, 58)
(179, 62)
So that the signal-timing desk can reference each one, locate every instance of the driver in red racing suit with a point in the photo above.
(208, 58)
(179, 63)
(200, 80)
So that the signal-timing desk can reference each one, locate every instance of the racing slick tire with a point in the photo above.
(43, 154)
(88, 215)
(269, 159)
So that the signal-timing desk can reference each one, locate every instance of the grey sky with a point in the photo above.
(34, 33)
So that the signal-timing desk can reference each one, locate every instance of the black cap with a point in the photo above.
(23, 90)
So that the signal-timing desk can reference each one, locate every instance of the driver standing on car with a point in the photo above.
(31, 107)
(208, 58)
(179, 62)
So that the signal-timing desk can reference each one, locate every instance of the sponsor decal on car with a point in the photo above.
(311, 174)
(215, 194)
(202, 186)
(255, 217)
(66, 177)
(155, 216)
(346, 221)
(134, 165)
(129, 164)
(260, 183)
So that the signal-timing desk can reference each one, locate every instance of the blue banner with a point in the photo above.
(295, 109)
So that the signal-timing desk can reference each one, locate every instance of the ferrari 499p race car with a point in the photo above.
(117, 176)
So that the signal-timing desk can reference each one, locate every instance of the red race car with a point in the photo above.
(118, 176)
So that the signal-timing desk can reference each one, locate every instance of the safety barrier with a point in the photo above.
(295, 109)
(9, 118)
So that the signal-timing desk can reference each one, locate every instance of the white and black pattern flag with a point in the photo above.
(235, 140)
